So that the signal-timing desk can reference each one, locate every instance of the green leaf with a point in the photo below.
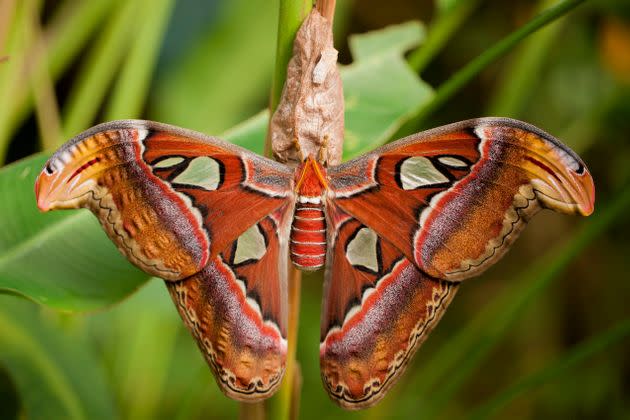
(380, 94)
(250, 133)
(151, 357)
(56, 374)
(392, 40)
(381, 91)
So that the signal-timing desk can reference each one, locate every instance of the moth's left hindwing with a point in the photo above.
(209, 217)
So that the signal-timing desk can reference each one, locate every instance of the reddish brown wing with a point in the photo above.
(211, 218)
(410, 220)
(169, 198)
(236, 309)
(377, 309)
(454, 199)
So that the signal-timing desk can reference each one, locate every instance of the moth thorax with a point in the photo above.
(308, 234)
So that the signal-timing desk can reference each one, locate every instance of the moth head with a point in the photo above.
(68, 178)
(310, 178)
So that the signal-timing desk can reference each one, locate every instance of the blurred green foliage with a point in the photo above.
(543, 334)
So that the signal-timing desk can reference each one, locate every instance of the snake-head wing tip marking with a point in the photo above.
(559, 175)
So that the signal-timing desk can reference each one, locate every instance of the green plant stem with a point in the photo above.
(71, 28)
(522, 72)
(327, 9)
(252, 411)
(290, 17)
(7, 11)
(577, 355)
(284, 404)
(472, 69)
(440, 32)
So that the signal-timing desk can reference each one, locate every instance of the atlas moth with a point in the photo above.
(396, 229)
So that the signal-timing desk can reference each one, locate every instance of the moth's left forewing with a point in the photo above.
(169, 198)
(246, 188)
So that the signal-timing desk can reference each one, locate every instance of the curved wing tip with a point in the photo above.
(577, 171)
(587, 205)
(42, 192)
(39, 199)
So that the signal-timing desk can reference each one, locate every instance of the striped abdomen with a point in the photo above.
(308, 236)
